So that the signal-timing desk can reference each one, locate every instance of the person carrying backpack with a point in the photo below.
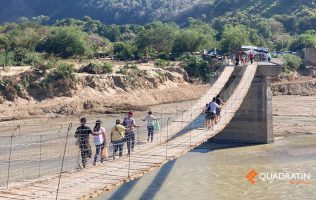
(99, 140)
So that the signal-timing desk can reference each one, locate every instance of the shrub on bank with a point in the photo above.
(292, 63)
(63, 72)
(162, 63)
(93, 68)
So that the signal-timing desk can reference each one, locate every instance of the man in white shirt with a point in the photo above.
(150, 126)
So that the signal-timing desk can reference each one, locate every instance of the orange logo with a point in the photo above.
(251, 176)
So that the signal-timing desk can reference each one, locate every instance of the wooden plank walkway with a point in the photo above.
(92, 181)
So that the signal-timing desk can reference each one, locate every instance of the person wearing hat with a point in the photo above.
(130, 126)
(150, 126)
(99, 140)
(117, 138)
(82, 135)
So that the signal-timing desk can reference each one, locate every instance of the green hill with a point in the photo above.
(144, 11)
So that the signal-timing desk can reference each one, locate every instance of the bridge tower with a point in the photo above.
(253, 122)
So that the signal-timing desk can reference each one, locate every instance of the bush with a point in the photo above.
(123, 71)
(93, 68)
(7, 59)
(161, 63)
(42, 67)
(32, 59)
(63, 72)
(198, 68)
(292, 62)
(107, 68)
(124, 51)
(66, 42)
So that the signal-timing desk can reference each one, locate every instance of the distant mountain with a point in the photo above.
(144, 11)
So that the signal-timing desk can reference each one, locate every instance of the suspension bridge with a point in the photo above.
(181, 133)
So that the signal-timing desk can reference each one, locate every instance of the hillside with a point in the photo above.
(144, 11)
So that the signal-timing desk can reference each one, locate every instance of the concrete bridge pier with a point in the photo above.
(253, 122)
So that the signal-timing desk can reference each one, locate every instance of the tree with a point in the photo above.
(124, 51)
(111, 32)
(96, 42)
(189, 40)
(292, 62)
(5, 45)
(197, 67)
(233, 37)
(306, 40)
(290, 22)
(66, 42)
(157, 36)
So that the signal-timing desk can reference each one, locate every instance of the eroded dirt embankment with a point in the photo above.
(105, 94)
(305, 88)
(303, 83)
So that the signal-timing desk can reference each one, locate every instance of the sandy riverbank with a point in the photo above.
(294, 115)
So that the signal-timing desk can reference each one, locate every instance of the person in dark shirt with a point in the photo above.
(82, 134)
(129, 123)
(220, 102)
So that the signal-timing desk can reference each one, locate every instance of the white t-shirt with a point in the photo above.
(213, 105)
(150, 119)
(98, 136)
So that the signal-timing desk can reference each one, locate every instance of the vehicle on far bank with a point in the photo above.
(213, 53)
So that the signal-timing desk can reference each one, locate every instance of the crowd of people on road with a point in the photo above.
(121, 133)
(241, 57)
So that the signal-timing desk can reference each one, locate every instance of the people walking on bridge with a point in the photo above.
(82, 134)
(99, 141)
(130, 125)
(220, 103)
(212, 109)
(117, 138)
(150, 125)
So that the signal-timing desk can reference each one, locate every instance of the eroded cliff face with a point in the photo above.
(137, 90)
(303, 83)
(305, 88)
(135, 80)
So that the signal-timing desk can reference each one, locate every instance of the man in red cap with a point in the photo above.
(130, 125)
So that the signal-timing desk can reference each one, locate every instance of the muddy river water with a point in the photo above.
(218, 171)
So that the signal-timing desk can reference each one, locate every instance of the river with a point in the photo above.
(218, 171)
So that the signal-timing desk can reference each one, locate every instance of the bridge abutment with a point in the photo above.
(253, 122)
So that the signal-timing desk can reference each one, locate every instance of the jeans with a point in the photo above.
(150, 130)
(118, 146)
(85, 150)
(130, 137)
(98, 150)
